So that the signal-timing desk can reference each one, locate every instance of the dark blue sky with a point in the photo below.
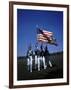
(26, 28)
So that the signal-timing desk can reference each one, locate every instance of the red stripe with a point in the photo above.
(42, 40)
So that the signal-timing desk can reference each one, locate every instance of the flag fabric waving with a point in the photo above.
(46, 36)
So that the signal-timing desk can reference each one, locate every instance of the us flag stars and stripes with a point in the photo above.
(45, 36)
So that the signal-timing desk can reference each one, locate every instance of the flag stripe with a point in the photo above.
(42, 40)
(47, 32)
(41, 36)
(47, 35)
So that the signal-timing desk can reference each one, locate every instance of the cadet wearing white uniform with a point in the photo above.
(37, 59)
(29, 59)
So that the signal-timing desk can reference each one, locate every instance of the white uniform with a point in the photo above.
(50, 64)
(43, 62)
(39, 60)
(36, 61)
(29, 60)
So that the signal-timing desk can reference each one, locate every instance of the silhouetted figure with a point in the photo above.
(42, 57)
(47, 55)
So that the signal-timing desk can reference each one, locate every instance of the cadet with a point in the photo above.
(42, 57)
(29, 58)
(47, 55)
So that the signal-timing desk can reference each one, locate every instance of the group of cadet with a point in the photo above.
(38, 57)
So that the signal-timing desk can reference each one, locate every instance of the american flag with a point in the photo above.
(45, 36)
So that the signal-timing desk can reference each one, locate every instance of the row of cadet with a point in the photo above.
(39, 57)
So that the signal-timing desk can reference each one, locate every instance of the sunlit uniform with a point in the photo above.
(29, 60)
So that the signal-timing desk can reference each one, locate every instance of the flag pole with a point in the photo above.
(36, 44)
